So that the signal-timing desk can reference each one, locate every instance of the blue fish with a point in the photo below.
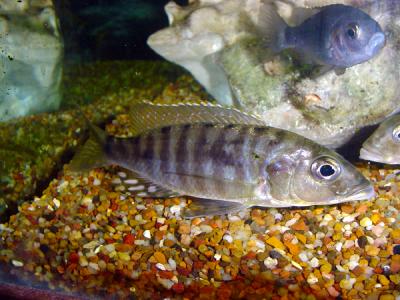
(338, 36)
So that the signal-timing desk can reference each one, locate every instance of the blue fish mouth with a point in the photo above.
(376, 43)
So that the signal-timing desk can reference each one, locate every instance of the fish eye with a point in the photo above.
(353, 31)
(325, 169)
(396, 134)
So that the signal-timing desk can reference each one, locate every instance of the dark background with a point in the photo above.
(110, 30)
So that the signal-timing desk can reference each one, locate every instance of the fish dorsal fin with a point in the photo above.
(132, 183)
(147, 115)
(200, 207)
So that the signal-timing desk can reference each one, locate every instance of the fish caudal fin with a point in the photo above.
(271, 27)
(92, 154)
(200, 207)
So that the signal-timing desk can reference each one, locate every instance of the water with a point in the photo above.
(69, 236)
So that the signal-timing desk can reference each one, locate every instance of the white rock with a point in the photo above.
(212, 38)
(30, 58)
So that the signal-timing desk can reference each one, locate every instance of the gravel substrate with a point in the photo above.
(84, 235)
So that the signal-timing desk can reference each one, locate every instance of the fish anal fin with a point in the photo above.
(147, 115)
(200, 207)
(130, 182)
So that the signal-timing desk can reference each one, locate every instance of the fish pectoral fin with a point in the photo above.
(271, 27)
(134, 184)
(200, 207)
(340, 71)
(147, 115)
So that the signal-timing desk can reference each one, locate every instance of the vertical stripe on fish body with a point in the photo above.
(203, 160)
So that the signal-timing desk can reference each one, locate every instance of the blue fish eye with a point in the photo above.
(396, 134)
(327, 170)
(352, 31)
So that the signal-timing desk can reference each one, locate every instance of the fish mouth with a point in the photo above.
(376, 43)
(365, 192)
(371, 155)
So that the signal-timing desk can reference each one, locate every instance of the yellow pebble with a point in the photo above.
(338, 227)
(225, 258)
(395, 278)
(375, 218)
(160, 257)
(396, 234)
(301, 237)
(365, 222)
(274, 242)
(383, 280)
(326, 268)
(386, 297)
(124, 256)
(372, 250)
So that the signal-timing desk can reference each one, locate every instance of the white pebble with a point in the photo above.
(94, 266)
(270, 262)
(206, 228)
(339, 246)
(116, 181)
(175, 209)
(233, 218)
(160, 267)
(131, 181)
(314, 263)
(328, 218)
(96, 182)
(348, 244)
(291, 222)
(56, 202)
(122, 174)
(136, 188)
(260, 245)
(147, 234)
(303, 256)
(172, 263)
(312, 279)
(166, 283)
(109, 248)
(228, 238)
(217, 256)
(348, 219)
(17, 263)
(140, 242)
(161, 220)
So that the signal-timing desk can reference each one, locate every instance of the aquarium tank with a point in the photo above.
(200, 149)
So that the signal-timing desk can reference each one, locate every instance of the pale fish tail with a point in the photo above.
(271, 27)
(91, 154)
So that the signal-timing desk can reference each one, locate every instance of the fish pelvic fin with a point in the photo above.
(200, 207)
(147, 115)
(91, 154)
(271, 27)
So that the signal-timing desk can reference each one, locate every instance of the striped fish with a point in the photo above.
(223, 158)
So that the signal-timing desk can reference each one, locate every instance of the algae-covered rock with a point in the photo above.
(217, 41)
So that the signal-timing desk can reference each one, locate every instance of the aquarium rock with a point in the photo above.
(31, 51)
(219, 43)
